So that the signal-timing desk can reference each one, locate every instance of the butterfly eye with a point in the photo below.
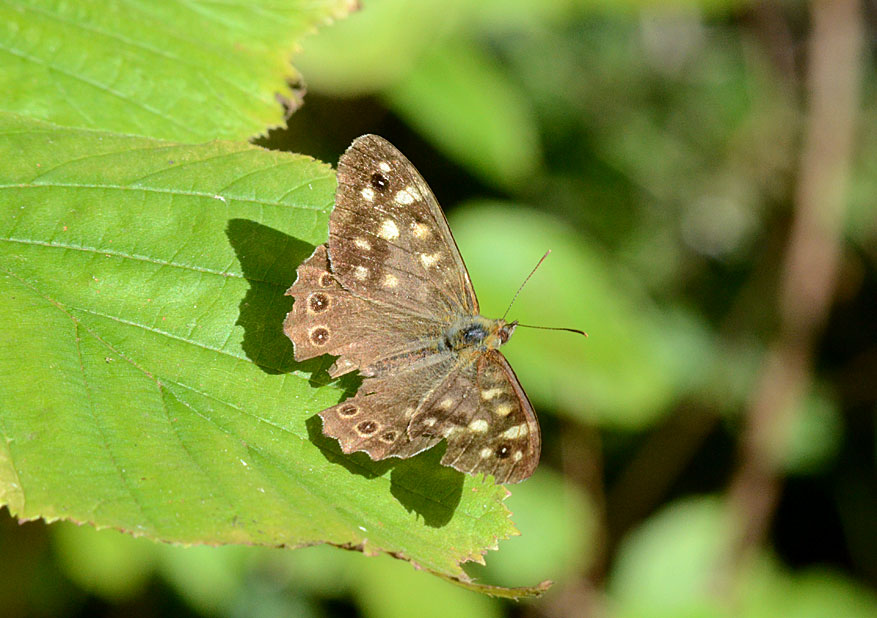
(379, 181)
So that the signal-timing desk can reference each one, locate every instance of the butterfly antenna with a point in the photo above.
(538, 264)
(569, 330)
(515, 297)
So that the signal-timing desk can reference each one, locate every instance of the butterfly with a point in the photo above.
(390, 296)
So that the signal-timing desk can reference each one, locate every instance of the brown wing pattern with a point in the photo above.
(375, 420)
(327, 319)
(488, 421)
(388, 295)
(388, 238)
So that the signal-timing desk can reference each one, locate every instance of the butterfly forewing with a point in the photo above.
(388, 237)
(327, 319)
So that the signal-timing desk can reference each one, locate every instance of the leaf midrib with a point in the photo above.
(214, 196)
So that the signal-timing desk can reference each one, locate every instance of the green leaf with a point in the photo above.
(817, 592)
(670, 567)
(815, 434)
(107, 564)
(390, 590)
(667, 566)
(377, 46)
(466, 104)
(145, 381)
(144, 67)
(559, 528)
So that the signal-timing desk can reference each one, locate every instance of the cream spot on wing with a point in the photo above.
(419, 230)
(429, 422)
(404, 197)
(368, 193)
(486, 452)
(363, 244)
(446, 403)
(388, 230)
(479, 425)
(428, 259)
(360, 273)
(390, 281)
(517, 431)
(502, 409)
(413, 191)
(385, 167)
(490, 393)
(518, 456)
(408, 412)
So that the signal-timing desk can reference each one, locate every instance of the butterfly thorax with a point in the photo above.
(478, 333)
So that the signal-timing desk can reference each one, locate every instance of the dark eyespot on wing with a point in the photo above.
(379, 182)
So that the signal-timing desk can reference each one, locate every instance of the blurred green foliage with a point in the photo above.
(654, 147)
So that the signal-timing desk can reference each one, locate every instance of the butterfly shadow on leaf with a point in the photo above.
(268, 259)
(421, 484)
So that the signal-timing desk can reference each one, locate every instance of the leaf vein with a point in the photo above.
(176, 192)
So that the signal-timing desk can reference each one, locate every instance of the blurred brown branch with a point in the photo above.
(810, 265)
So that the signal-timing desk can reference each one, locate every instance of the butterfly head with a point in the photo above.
(505, 330)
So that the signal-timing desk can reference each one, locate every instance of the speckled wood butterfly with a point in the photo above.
(390, 296)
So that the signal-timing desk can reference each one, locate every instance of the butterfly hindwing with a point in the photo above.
(388, 237)
(488, 421)
(479, 408)
(376, 419)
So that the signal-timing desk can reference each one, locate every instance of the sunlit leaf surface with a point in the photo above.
(146, 384)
